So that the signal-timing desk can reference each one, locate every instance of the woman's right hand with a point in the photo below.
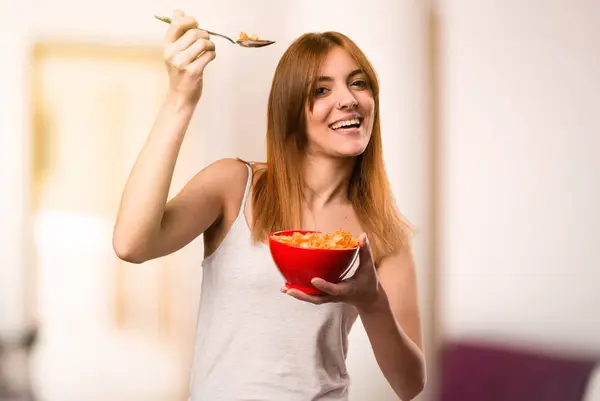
(187, 51)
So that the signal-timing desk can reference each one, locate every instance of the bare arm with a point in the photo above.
(394, 328)
(146, 227)
(153, 230)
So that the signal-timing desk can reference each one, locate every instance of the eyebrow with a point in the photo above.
(323, 78)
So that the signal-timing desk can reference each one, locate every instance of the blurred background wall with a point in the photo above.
(490, 124)
(520, 177)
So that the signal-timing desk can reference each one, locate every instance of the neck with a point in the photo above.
(326, 180)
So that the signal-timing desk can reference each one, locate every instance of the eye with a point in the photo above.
(320, 91)
(361, 83)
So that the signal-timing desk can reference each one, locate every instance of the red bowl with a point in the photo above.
(299, 265)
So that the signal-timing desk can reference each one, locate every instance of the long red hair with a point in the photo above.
(277, 195)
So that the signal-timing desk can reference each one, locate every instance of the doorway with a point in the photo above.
(109, 330)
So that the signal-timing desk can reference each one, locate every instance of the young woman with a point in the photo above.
(324, 171)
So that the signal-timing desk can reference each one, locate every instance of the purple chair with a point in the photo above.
(484, 372)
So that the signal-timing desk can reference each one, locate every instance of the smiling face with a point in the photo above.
(341, 120)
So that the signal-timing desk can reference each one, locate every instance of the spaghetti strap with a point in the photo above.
(247, 190)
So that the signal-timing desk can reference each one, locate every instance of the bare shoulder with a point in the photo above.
(210, 188)
(204, 201)
(223, 175)
(232, 175)
(227, 168)
(207, 196)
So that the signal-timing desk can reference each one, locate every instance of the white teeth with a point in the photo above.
(345, 123)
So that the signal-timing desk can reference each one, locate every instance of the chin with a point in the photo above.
(352, 146)
(350, 150)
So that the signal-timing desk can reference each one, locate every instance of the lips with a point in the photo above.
(350, 123)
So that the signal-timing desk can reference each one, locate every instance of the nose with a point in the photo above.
(346, 100)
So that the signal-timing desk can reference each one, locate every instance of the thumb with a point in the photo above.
(365, 253)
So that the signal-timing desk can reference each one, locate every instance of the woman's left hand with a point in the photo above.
(362, 290)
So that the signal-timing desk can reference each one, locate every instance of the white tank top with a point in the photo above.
(254, 343)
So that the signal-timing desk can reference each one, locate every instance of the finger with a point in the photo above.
(181, 44)
(178, 27)
(365, 254)
(343, 291)
(313, 299)
(178, 14)
(198, 65)
(202, 34)
(190, 54)
(190, 36)
(327, 287)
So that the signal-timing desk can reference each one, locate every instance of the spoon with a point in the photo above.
(240, 42)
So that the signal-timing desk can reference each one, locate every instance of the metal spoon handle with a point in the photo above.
(218, 34)
(169, 20)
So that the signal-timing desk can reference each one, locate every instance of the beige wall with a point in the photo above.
(13, 172)
(521, 178)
